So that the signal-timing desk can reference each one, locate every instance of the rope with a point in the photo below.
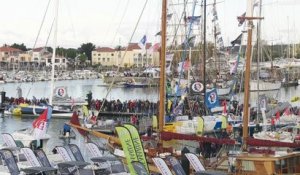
(113, 80)
(41, 25)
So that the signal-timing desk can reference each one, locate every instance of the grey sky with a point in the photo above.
(99, 21)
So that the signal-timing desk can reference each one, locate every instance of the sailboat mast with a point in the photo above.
(204, 48)
(54, 52)
(247, 75)
(162, 89)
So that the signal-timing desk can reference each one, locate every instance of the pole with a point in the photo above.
(162, 88)
(54, 52)
(204, 48)
(247, 77)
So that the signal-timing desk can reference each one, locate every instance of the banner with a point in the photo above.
(140, 168)
(195, 162)
(76, 152)
(211, 99)
(196, 87)
(8, 140)
(138, 146)
(30, 157)
(60, 92)
(10, 161)
(162, 166)
(63, 153)
(94, 150)
(128, 147)
(41, 155)
(177, 168)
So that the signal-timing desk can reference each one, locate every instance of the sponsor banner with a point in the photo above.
(139, 150)
(212, 99)
(8, 140)
(63, 153)
(140, 168)
(177, 168)
(162, 166)
(60, 92)
(196, 87)
(94, 150)
(195, 162)
(76, 152)
(30, 157)
(128, 147)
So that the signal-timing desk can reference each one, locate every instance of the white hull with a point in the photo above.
(264, 86)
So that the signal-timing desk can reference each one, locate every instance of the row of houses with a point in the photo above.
(10, 56)
(132, 56)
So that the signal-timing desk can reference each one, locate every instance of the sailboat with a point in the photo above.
(36, 110)
(259, 163)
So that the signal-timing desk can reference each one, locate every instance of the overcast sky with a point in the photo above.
(112, 22)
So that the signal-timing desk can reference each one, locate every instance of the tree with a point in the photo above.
(19, 46)
(71, 53)
(87, 48)
(82, 58)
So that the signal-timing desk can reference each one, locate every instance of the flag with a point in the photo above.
(142, 43)
(287, 111)
(241, 19)
(75, 121)
(193, 19)
(238, 40)
(186, 64)
(191, 41)
(224, 107)
(128, 147)
(138, 146)
(211, 99)
(158, 33)
(169, 57)
(154, 48)
(196, 87)
(169, 16)
(40, 125)
(277, 115)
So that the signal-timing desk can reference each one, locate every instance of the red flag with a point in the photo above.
(39, 122)
(224, 107)
(277, 115)
(287, 111)
(186, 64)
(75, 121)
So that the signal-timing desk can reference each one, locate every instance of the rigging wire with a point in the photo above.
(118, 69)
(118, 28)
(43, 20)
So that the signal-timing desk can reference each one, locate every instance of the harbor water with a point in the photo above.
(79, 88)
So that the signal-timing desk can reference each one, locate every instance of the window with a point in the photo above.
(112, 54)
(99, 54)
(94, 54)
(56, 60)
(36, 59)
(108, 59)
(103, 59)
(99, 59)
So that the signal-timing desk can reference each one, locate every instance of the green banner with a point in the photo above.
(127, 146)
(139, 150)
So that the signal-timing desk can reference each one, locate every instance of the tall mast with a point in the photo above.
(258, 54)
(247, 74)
(54, 52)
(162, 89)
(204, 48)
